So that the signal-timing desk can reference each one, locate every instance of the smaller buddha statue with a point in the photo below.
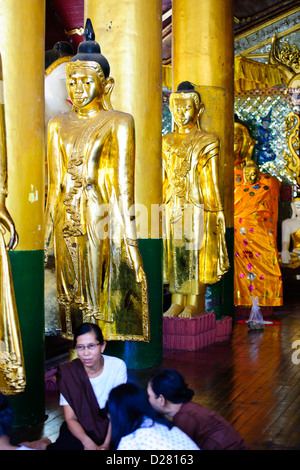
(196, 253)
(290, 230)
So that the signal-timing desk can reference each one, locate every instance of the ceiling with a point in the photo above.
(65, 20)
(250, 12)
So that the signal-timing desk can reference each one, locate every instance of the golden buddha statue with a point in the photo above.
(12, 372)
(89, 212)
(290, 231)
(195, 248)
(56, 101)
(257, 271)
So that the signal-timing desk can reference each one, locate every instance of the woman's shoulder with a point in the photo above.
(71, 365)
(113, 361)
(191, 414)
(70, 372)
(190, 409)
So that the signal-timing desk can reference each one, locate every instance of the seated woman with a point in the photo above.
(84, 384)
(135, 425)
(169, 394)
(6, 419)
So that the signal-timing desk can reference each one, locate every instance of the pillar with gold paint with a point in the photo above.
(129, 34)
(202, 53)
(22, 45)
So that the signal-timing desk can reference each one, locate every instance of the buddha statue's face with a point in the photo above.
(184, 111)
(237, 144)
(56, 94)
(296, 205)
(251, 174)
(84, 86)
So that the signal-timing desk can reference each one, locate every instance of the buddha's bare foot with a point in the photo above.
(173, 311)
(190, 311)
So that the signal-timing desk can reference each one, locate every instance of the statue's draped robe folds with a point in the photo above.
(296, 246)
(294, 255)
(12, 368)
(195, 248)
(91, 172)
(257, 271)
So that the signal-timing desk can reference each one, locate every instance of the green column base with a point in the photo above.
(28, 276)
(139, 355)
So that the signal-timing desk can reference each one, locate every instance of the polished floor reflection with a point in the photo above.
(253, 380)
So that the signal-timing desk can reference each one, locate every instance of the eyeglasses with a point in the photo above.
(89, 347)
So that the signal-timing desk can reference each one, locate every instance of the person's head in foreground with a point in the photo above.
(167, 391)
(128, 406)
(6, 419)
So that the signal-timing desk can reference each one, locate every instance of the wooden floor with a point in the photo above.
(251, 380)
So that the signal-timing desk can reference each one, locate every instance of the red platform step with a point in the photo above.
(192, 334)
(223, 329)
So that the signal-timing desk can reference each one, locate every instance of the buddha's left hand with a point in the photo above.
(6, 222)
(137, 262)
(221, 221)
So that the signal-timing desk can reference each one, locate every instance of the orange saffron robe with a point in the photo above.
(257, 270)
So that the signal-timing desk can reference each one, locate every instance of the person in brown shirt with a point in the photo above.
(169, 394)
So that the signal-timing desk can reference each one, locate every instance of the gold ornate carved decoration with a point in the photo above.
(287, 60)
(78, 31)
(292, 133)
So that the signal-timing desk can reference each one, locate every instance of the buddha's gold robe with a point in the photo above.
(91, 188)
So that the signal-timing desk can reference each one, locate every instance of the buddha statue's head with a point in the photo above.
(88, 73)
(61, 52)
(296, 207)
(251, 172)
(56, 95)
(185, 105)
(243, 145)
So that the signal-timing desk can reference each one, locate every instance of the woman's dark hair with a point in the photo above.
(88, 328)
(171, 385)
(127, 406)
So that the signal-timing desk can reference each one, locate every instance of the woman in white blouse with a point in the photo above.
(135, 425)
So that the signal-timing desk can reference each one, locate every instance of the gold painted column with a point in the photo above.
(129, 34)
(203, 53)
(22, 45)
